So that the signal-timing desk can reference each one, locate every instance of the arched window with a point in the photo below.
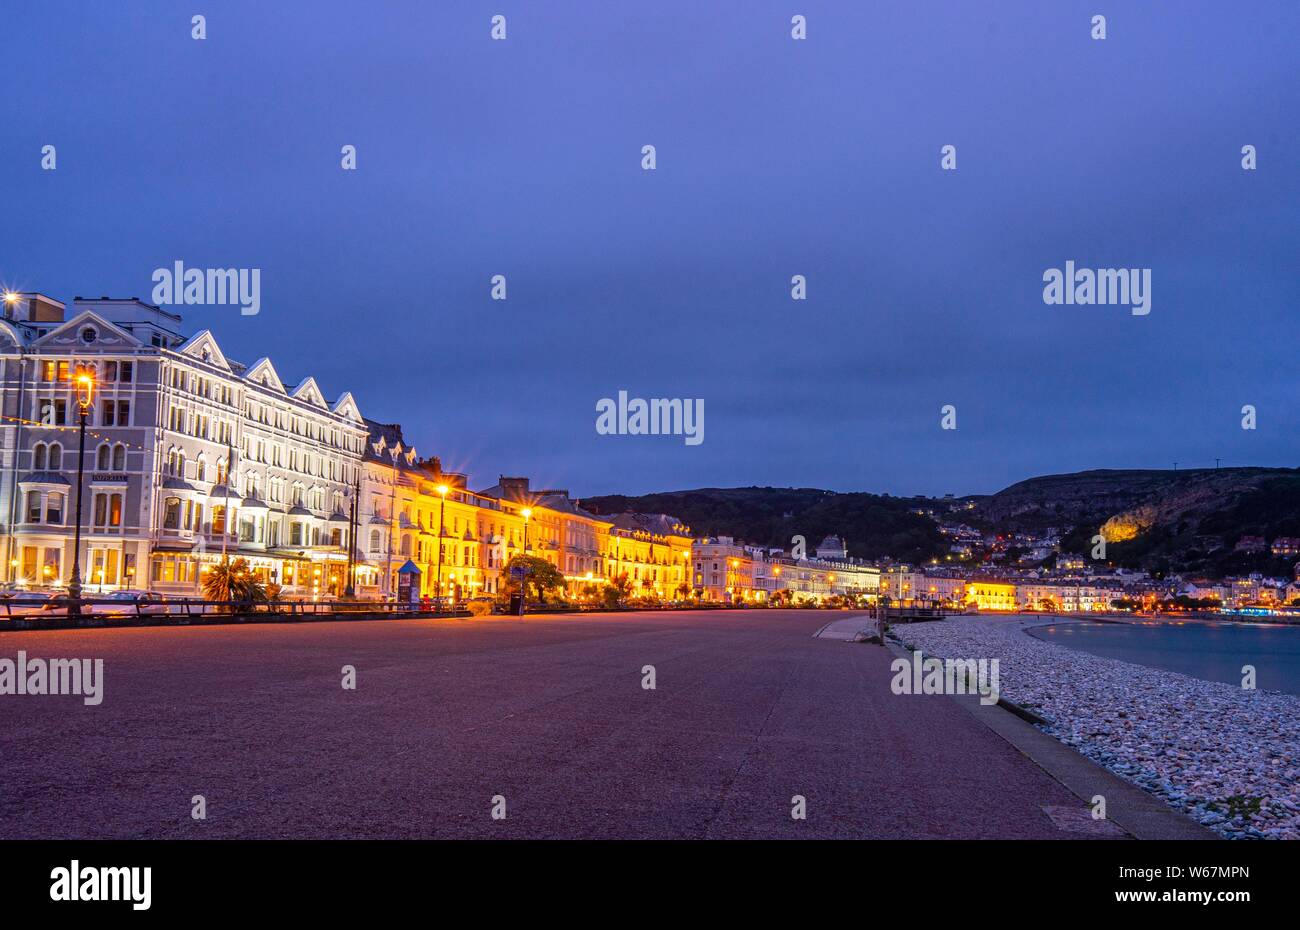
(171, 461)
(38, 457)
(180, 465)
(56, 456)
(119, 457)
(201, 468)
(376, 543)
(172, 513)
(102, 457)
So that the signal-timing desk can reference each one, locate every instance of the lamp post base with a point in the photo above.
(74, 595)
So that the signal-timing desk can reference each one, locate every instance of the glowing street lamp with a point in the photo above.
(442, 517)
(85, 381)
(523, 584)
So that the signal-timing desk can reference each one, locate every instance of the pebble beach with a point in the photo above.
(1228, 757)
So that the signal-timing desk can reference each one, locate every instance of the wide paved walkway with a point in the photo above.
(749, 710)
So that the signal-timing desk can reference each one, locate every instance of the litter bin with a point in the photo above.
(517, 605)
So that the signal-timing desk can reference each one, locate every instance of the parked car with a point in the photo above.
(41, 603)
(128, 603)
(24, 603)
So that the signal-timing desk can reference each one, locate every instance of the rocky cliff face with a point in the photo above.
(1180, 500)
(1160, 515)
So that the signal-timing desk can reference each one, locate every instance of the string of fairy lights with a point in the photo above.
(116, 440)
(40, 424)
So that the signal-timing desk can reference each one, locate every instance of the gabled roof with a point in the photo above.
(204, 346)
(562, 503)
(68, 333)
(346, 406)
(383, 439)
(263, 372)
(309, 392)
(659, 524)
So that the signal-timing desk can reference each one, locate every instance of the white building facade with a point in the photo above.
(190, 456)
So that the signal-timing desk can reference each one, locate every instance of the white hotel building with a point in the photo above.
(189, 454)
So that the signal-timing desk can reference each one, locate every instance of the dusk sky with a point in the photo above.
(775, 157)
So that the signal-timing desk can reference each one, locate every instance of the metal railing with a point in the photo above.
(25, 607)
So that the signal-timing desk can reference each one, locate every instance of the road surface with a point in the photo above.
(548, 715)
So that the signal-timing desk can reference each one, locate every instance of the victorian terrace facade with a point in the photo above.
(190, 456)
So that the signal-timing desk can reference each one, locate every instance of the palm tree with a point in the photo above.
(622, 584)
(234, 583)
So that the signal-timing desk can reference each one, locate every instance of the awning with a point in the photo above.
(221, 492)
(44, 477)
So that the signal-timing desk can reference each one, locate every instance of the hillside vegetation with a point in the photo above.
(873, 526)
(1162, 520)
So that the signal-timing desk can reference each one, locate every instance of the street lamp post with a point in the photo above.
(442, 522)
(85, 397)
(392, 524)
(351, 590)
(523, 584)
(10, 299)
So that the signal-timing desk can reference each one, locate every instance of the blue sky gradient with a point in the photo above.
(775, 158)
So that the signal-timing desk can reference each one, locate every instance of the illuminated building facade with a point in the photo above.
(991, 595)
(654, 551)
(190, 455)
(1065, 597)
(727, 572)
(724, 570)
(408, 501)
